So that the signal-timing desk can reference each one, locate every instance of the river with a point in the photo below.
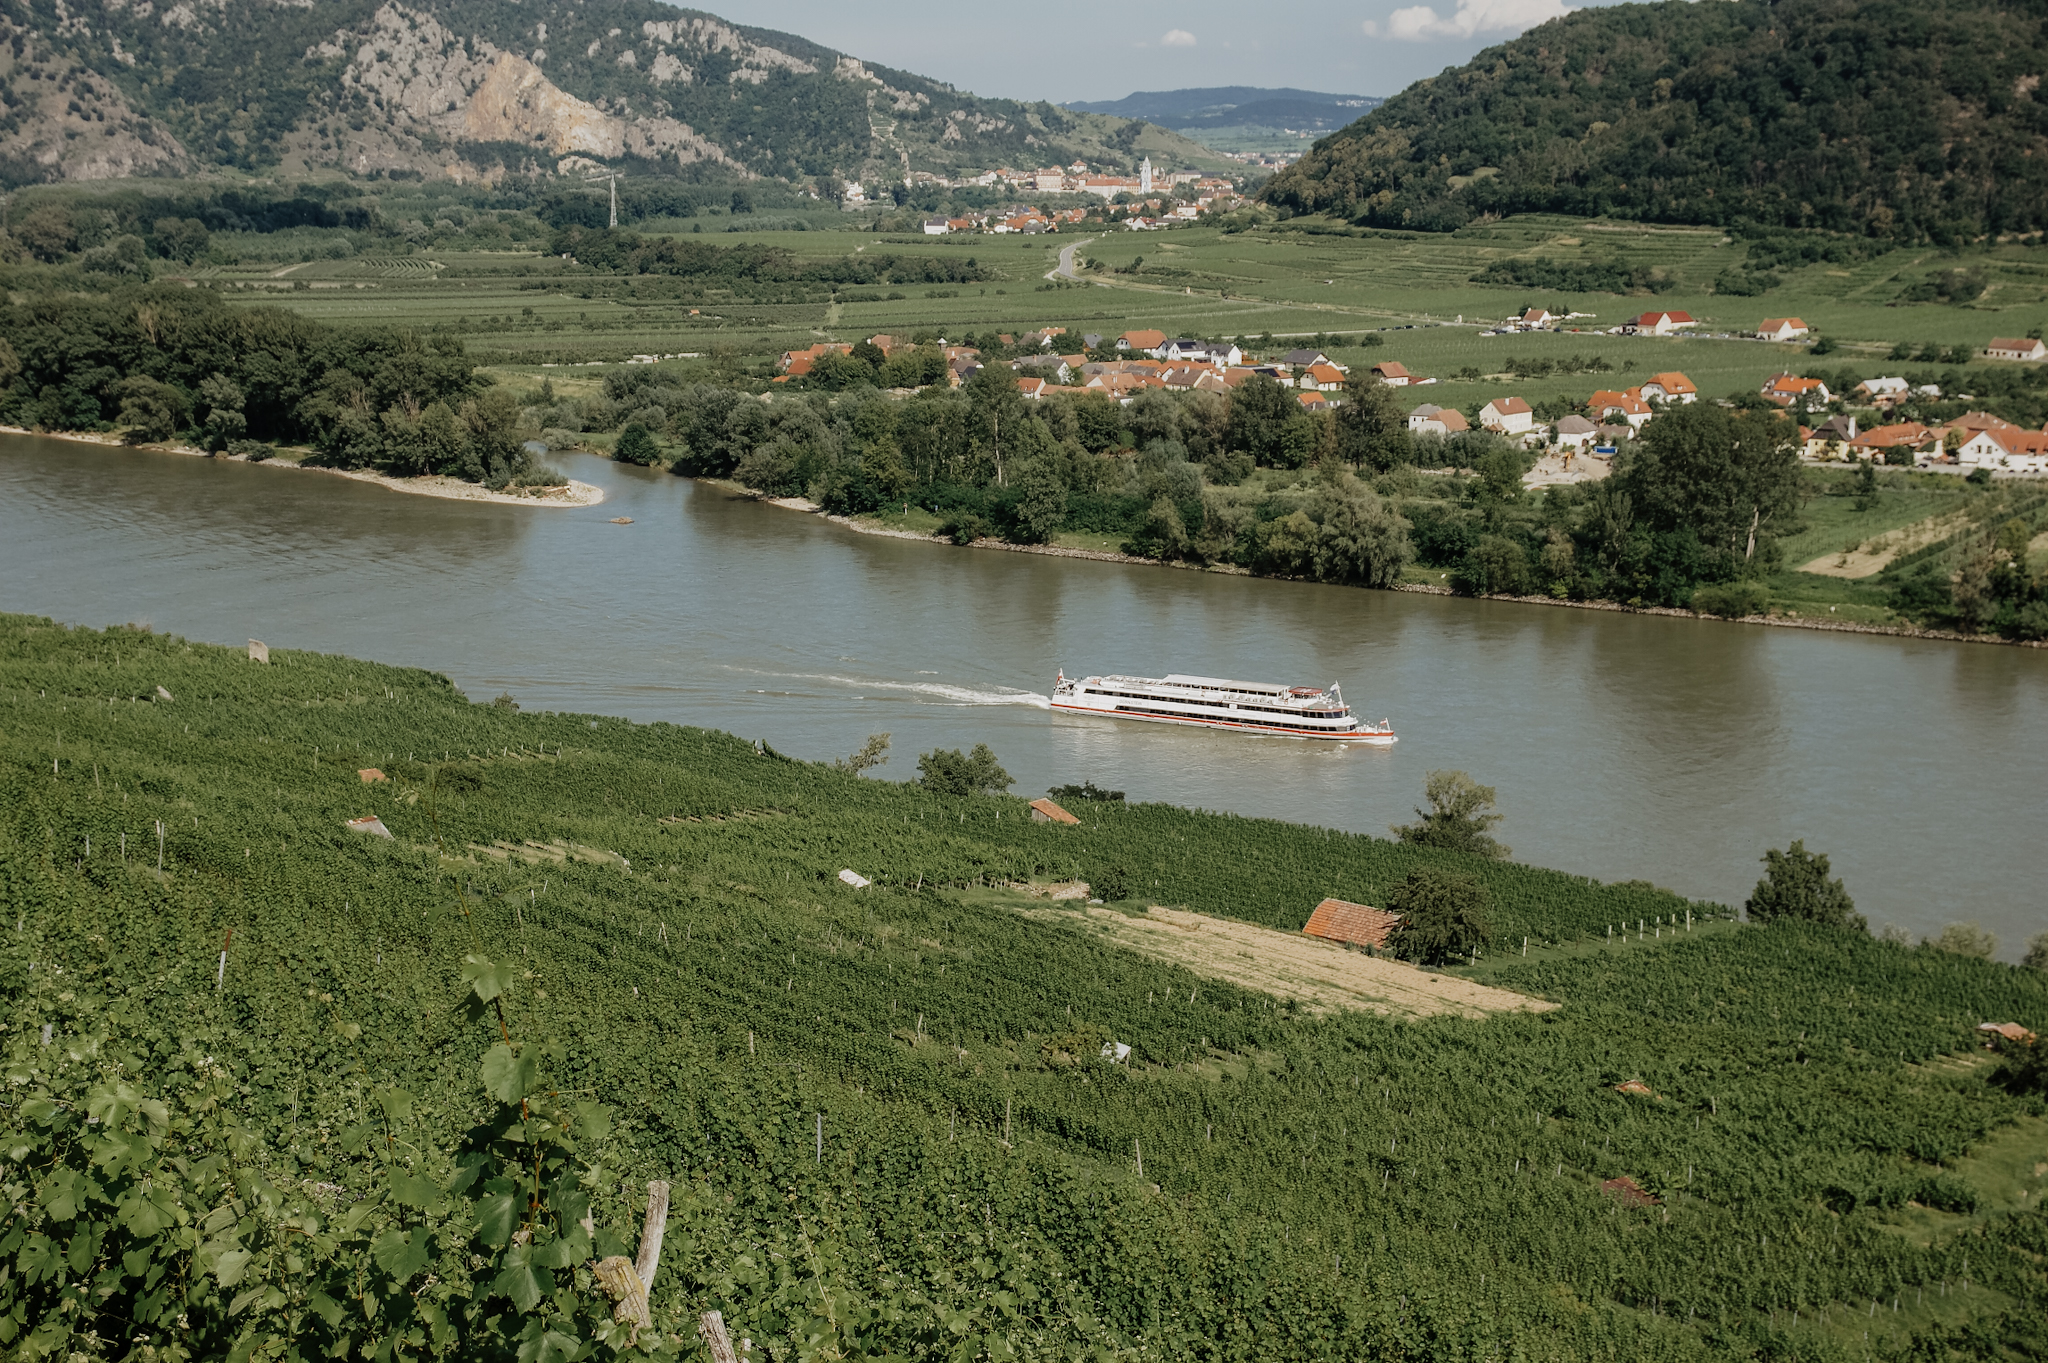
(1622, 746)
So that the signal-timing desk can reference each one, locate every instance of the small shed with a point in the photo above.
(855, 879)
(1997, 1033)
(370, 824)
(1115, 1052)
(1357, 925)
(1045, 811)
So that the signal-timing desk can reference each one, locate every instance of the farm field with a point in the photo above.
(874, 1106)
(1206, 282)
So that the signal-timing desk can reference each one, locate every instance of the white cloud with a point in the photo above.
(1420, 23)
(1177, 37)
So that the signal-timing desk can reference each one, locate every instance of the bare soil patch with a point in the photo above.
(1875, 553)
(1322, 975)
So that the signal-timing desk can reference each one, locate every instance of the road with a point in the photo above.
(1065, 269)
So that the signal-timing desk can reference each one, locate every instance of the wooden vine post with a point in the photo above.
(711, 1329)
(628, 1281)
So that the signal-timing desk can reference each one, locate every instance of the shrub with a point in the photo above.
(1965, 939)
(947, 771)
(1796, 885)
(1111, 882)
(1732, 600)
(636, 446)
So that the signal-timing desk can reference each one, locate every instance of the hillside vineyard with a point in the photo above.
(279, 1087)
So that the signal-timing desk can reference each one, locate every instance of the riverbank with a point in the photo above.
(1789, 621)
(574, 493)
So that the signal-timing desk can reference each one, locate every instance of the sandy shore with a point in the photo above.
(449, 489)
(1782, 621)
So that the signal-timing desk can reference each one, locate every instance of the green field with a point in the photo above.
(876, 1107)
(1212, 283)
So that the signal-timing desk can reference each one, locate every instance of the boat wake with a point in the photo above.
(939, 692)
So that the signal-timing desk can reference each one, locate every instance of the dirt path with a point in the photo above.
(1323, 975)
(1875, 553)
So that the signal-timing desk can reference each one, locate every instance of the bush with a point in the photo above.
(636, 446)
(1796, 885)
(966, 527)
(1732, 600)
(1965, 939)
(1111, 882)
(946, 771)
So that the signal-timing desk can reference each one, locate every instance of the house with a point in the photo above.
(1670, 386)
(937, 227)
(1536, 317)
(1574, 432)
(1221, 356)
(1393, 373)
(2021, 348)
(1509, 416)
(1051, 367)
(1430, 419)
(1830, 439)
(1353, 925)
(1883, 392)
(1780, 329)
(1658, 323)
(1045, 811)
(1303, 359)
(1145, 342)
(2001, 447)
(1627, 404)
(798, 362)
(1607, 437)
(1315, 402)
(1320, 376)
(1875, 443)
(1786, 389)
(1032, 389)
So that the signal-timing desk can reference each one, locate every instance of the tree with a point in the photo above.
(1965, 939)
(945, 771)
(1259, 411)
(873, 753)
(150, 410)
(1458, 817)
(1796, 885)
(1358, 539)
(1041, 503)
(2037, 953)
(1443, 914)
(997, 410)
(223, 399)
(1730, 478)
(1372, 430)
(636, 446)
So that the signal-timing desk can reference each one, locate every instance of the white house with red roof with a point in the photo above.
(1430, 419)
(1627, 404)
(1659, 323)
(1509, 416)
(1786, 389)
(1670, 386)
(2002, 447)
(2016, 348)
(1780, 329)
(1393, 373)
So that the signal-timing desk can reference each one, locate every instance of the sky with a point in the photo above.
(1355, 47)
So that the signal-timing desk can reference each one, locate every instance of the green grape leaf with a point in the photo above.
(497, 1214)
(400, 1254)
(509, 1076)
(412, 1190)
(521, 1279)
(550, 1346)
(229, 1267)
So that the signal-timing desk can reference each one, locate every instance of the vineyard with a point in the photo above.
(279, 1088)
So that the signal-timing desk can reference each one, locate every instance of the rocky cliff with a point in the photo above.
(471, 87)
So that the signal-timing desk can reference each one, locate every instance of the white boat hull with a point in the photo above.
(1377, 737)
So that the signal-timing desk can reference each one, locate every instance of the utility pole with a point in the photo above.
(615, 201)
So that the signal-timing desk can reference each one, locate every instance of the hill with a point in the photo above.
(1240, 118)
(1920, 121)
(347, 1095)
(472, 88)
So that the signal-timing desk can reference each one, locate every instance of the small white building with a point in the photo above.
(2004, 447)
(1780, 329)
(936, 227)
(2016, 348)
(1509, 416)
(1430, 419)
(1574, 433)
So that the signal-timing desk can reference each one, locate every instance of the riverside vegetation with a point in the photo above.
(282, 1089)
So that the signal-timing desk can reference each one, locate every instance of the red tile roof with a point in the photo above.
(1360, 925)
(1626, 1189)
(1052, 812)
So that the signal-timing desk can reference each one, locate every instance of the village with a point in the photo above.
(1146, 201)
(1575, 440)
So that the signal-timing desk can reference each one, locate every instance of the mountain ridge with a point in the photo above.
(473, 88)
(1887, 118)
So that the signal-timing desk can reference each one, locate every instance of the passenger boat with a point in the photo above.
(1212, 703)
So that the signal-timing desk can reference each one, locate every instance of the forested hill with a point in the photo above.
(463, 86)
(1904, 118)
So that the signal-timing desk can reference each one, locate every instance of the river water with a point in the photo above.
(1622, 746)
